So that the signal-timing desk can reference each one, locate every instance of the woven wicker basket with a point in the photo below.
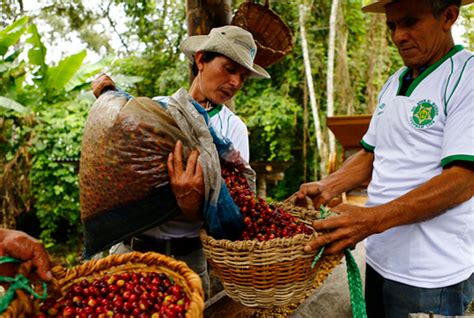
(272, 35)
(134, 262)
(22, 304)
(267, 274)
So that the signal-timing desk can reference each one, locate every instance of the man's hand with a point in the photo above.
(20, 245)
(101, 83)
(350, 226)
(187, 184)
(318, 192)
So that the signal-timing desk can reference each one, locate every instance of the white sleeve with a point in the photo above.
(238, 134)
(458, 139)
(369, 141)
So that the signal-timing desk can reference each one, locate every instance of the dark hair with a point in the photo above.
(438, 6)
(206, 58)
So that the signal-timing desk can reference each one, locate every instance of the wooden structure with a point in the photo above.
(268, 172)
(349, 131)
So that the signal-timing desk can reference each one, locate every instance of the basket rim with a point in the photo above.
(250, 245)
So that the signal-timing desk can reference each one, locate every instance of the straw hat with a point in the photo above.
(230, 41)
(379, 6)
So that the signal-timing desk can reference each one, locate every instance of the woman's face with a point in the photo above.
(220, 79)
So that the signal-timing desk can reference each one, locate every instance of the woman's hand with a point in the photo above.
(20, 245)
(187, 183)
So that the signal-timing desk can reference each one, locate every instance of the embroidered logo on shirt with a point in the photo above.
(424, 114)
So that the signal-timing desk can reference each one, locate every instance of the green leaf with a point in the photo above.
(11, 34)
(59, 76)
(19, 84)
(8, 103)
(37, 53)
(4, 66)
(86, 72)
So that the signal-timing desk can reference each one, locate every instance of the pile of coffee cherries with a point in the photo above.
(262, 221)
(123, 295)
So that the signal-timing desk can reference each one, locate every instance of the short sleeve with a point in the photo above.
(369, 141)
(458, 139)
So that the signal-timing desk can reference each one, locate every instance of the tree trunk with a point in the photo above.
(203, 15)
(330, 77)
(305, 133)
(312, 94)
(376, 61)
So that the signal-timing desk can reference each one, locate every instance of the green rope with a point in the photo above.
(355, 286)
(322, 215)
(353, 276)
(19, 282)
(6, 259)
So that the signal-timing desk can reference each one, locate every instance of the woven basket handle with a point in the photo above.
(292, 200)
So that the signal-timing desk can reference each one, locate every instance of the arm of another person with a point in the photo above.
(355, 170)
(452, 187)
(20, 245)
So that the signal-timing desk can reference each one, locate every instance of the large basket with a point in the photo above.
(272, 35)
(135, 262)
(267, 274)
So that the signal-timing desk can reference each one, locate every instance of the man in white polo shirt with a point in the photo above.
(419, 154)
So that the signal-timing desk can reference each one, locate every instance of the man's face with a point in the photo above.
(222, 78)
(421, 39)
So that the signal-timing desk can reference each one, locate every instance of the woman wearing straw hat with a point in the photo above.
(419, 155)
(222, 61)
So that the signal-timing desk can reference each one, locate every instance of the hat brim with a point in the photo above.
(192, 44)
(379, 6)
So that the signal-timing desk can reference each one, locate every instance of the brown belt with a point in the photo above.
(176, 246)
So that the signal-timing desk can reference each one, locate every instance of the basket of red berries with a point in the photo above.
(125, 285)
(267, 267)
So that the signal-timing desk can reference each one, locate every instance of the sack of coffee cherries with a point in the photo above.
(124, 184)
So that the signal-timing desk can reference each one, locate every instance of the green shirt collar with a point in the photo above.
(216, 109)
(427, 72)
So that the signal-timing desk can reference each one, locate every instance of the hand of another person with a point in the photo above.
(20, 245)
(187, 183)
(317, 191)
(101, 83)
(350, 226)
